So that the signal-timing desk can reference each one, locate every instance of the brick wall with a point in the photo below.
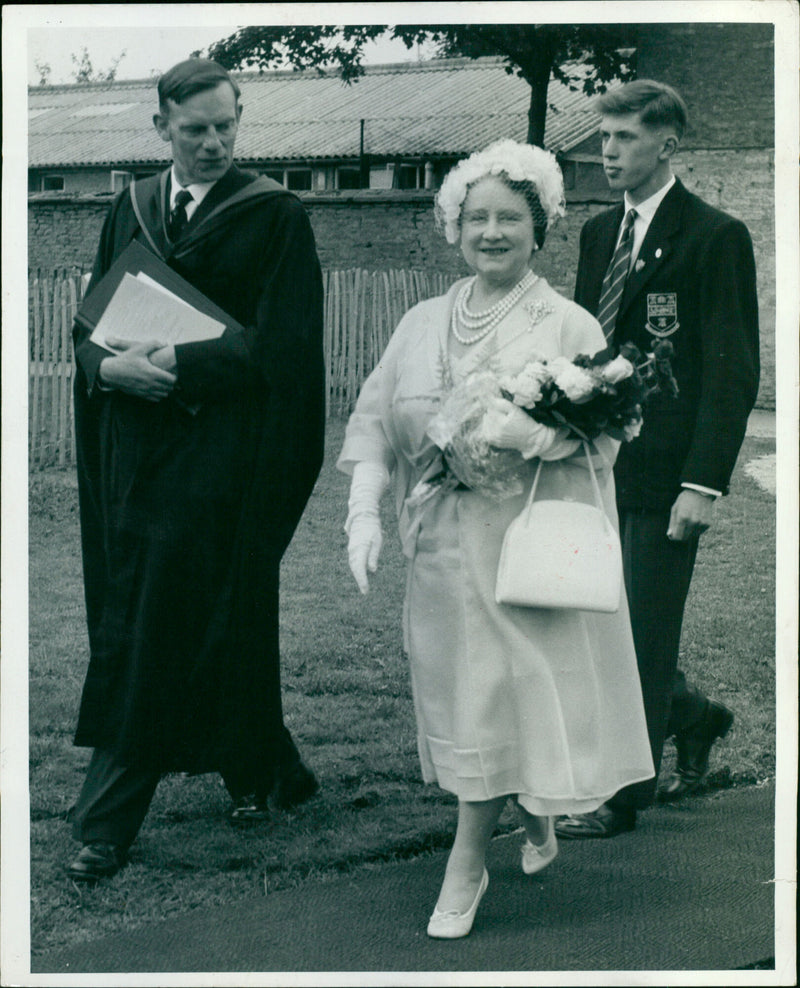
(382, 230)
(373, 230)
(724, 71)
(63, 229)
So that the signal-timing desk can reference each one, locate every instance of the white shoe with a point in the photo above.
(536, 857)
(451, 924)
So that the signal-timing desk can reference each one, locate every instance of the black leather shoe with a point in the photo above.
(694, 747)
(295, 786)
(250, 809)
(97, 860)
(602, 822)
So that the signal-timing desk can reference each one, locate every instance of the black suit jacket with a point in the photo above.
(695, 284)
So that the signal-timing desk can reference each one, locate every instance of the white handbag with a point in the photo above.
(561, 554)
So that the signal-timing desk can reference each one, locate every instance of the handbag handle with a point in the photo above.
(598, 498)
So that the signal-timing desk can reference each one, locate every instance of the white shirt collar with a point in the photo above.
(647, 209)
(645, 212)
(198, 190)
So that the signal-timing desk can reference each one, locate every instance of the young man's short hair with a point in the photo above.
(658, 104)
(188, 78)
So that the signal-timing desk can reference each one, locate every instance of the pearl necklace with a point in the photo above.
(482, 323)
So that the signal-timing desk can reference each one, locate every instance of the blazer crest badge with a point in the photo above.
(662, 314)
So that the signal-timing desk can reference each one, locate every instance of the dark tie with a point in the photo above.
(614, 281)
(178, 218)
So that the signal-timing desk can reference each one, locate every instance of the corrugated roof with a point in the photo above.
(440, 107)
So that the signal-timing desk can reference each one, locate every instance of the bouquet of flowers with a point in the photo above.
(592, 395)
(468, 455)
(587, 395)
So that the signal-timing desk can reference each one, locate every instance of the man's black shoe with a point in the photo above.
(295, 786)
(98, 859)
(602, 822)
(250, 809)
(694, 747)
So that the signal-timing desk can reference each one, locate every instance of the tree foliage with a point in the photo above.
(581, 56)
(85, 72)
(302, 47)
(44, 70)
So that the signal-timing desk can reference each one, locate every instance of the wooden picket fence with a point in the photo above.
(362, 309)
(53, 299)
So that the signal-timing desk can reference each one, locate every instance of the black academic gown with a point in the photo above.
(185, 517)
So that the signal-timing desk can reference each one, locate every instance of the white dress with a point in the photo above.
(545, 704)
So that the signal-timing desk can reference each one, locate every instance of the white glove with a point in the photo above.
(363, 524)
(561, 447)
(505, 425)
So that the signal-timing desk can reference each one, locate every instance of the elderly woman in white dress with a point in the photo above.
(538, 705)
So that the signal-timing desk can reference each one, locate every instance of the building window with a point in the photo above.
(120, 180)
(52, 183)
(348, 178)
(298, 179)
(409, 177)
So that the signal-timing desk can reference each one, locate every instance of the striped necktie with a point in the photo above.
(614, 281)
(178, 218)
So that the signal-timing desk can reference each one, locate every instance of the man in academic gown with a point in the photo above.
(195, 463)
(685, 274)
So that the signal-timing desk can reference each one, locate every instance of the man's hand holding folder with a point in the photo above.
(143, 370)
(140, 311)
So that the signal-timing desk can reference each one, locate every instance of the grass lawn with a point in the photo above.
(348, 703)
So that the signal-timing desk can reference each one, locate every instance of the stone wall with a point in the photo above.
(64, 229)
(383, 230)
(724, 71)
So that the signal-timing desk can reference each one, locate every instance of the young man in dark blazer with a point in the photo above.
(684, 273)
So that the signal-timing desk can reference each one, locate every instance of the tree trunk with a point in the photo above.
(535, 66)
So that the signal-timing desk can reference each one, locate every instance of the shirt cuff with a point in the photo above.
(708, 491)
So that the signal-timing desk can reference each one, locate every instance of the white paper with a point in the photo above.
(141, 276)
(140, 312)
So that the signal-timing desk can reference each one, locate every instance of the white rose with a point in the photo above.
(576, 383)
(632, 429)
(526, 387)
(617, 370)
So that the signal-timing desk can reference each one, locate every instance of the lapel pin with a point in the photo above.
(639, 265)
(658, 252)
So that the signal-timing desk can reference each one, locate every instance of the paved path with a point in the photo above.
(761, 425)
(690, 889)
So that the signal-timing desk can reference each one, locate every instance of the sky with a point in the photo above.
(155, 36)
(148, 51)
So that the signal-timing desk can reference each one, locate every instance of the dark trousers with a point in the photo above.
(114, 799)
(657, 577)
